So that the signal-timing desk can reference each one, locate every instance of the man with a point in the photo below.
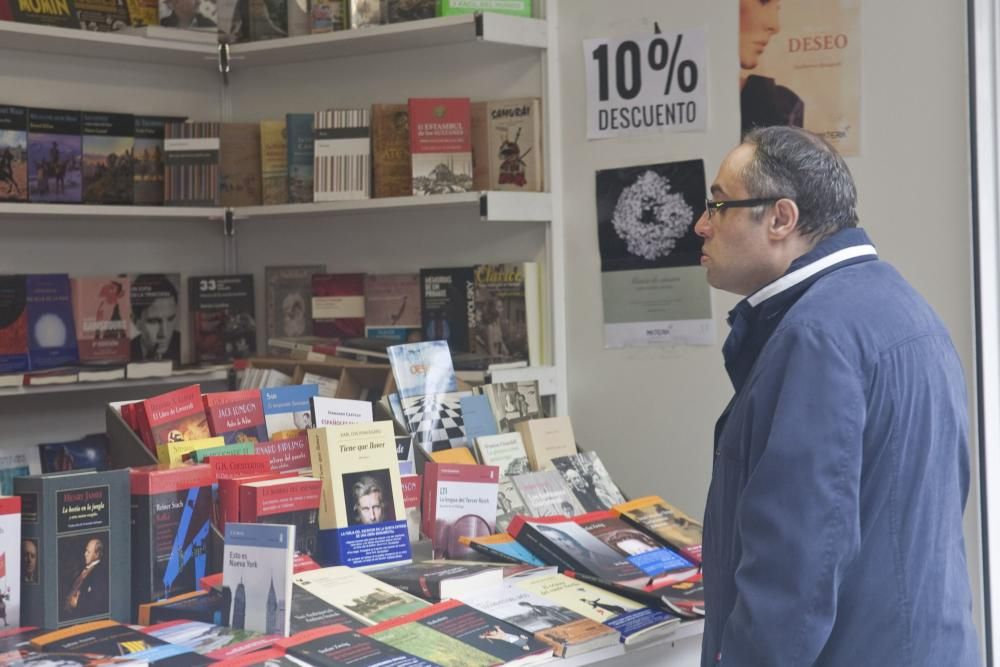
(88, 592)
(155, 313)
(833, 527)
(368, 503)
(29, 561)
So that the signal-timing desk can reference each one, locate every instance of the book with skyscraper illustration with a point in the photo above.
(257, 570)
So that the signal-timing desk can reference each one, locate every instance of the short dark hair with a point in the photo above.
(147, 288)
(795, 163)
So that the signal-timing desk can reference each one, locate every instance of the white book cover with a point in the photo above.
(257, 570)
(10, 561)
(504, 450)
(341, 155)
(337, 411)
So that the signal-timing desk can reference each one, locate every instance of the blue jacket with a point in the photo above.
(833, 527)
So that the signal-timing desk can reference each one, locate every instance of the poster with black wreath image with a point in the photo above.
(653, 286)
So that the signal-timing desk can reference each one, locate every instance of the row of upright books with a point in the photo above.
(451, 145)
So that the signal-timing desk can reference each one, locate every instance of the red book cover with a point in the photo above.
(102, 312)
(460, 501)
(290, 501)
(227, 467)
(237, 416)
(176, 416)
(156, 479)
(5, 13)
(287, 455)
(412, 492)
(338, 305)
(441, 145)
(13, 319)
(229, 495)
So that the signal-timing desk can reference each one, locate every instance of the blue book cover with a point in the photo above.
(51, 332)
(13, 324)
(90, 451)
(55, 156)
(300, 157)
(288, 410)
(638, 620)
(423, 369)
(478, 417)
(257, 570)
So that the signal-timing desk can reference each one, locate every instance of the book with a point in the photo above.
(546, 494)
(157, 322)
(589, 480)
(90, 451)
(52, 334)
(411, 484)
(459, 501)
(108, 141)
(364, 13)
(462, 455)
(310, 612)
(507, 145)
(212, 640)
(14, 154)
(191, 163)
(685, 598)
(391, 170)
(504, 450)
(341, 646)
(338, 411)
(228, 491)
(400, 11)
(100, 638)
(341, 154)
(440, 145)
(478, 418)
(288, 410)
(338, 304)
(172, 511)
(102, 310)
(147, 168)
(288, 300)
(513, 402)
(422, 369)
(327, 16)
(72, 526)
(10, 561)
(228, 466)
(661, 563)
(299, 128)
(222, 317)
(17, 462)
(509, 503)
(257, 569)
(239, 163)
(452, 634)
(175, 416)
(547, 438)
(173, 453)
(288, 455)
(358, 595)
(236, 416)
(54, 155)
(61, 14)
(512, 7)
(290, 501)
(242, 449)
(662, 519)
(508, 312)
(207, 606)
(446, 296)
(274, 156)
(502, 548)
(13, 324)
(268, 19)
(434, 581)
(392, 301)
(435, 420)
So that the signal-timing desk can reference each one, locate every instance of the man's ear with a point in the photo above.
(784, 220)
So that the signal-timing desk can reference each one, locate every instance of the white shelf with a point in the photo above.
(546, 376)
(14, 210)
(487, 29)
(181, 378)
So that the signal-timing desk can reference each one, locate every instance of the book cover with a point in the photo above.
(391, 170)
(203, 16)
(503, 548)
(411, 504)
(222, 317)
(191, 163)
(400, 11)
(310, 612)
(512, 7)
(102, 638)
(459, 501)
(358, 595)
(478, 418)
(288, 455)
(239, 163)
(73, 525)
(274, 160)
(644, 551)
(504, 450)
(422, 369)
(51, 331)
(338, 305)
(440, 145)
(513, 402)
(462, 455)
(257, 569)
(686, 598)
(445, 299)
(341, 154)
(299, 127)
(147, 163)
(502, 311)
(364, 13)
(236, 416)
(228, 493)
(435, 421)
(172, 511)
(58, 13)
(662, 519)
(507, 145)
(437, 581)
(327, 16)
(176, 416)
(338, 411)
(268, 19)
(14, 153)
(17, 462)
(392, 300)
(179, 452)
(509, 503)
(228, 466)
(102, 309)
(10, 561)
(290, 501)
(90, 451)
(54, 155)
(243, 449)
(13, 324)
(589, 480)
(339, 645)
(288, 300)
(547, 438)
(108, 149)
(546, 494)
(211, 640)
(156, 317)
(288, 410)
(143, 12)
(207, 606)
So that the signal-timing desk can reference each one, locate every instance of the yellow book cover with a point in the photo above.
(174, 452)
(546, 439)
(666, 521)
(585, 599)
(454, 455)
(274, 162)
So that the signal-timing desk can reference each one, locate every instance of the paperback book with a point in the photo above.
(288, 455)
(546, 494)
(502, 548)
(299, 127)
(513, 402)
(13, 324)
(175, 416)
(290, 501)
(507, 145)
(339, 645)
(401, 11)
(338, 305)
(17, 462)
(157, 317)
(54, 147)
(391, 175)
(224, 324)
(641, 549)
(236, 416)
(512, 7)
(459, 501)
(662, 519)
(90, 451)
(478, 419)
(446, 296)
(274, 161)
(108, 141)
(102, 310)
(147, 169)
(422, 369)
(191, 164)
(10, 560)
(239, 163)
(257, 569)
(288, 300)
(392, 302)
(440, 145)
(360, 596)
(508, 312)
(14, 154)
(437, 581)
(288, 410)
(341, 154)
(545, 439)
(339, 411)
(52, 334)
(589, 480)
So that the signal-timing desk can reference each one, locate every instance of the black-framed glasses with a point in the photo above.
(712, 206)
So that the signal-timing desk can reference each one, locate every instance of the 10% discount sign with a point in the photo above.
(641, 85)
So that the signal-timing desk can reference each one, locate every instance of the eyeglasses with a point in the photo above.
(712, 207)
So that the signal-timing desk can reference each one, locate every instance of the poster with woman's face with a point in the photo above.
(800, 64)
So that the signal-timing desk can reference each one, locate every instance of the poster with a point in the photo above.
(653, 286)
(800, 64)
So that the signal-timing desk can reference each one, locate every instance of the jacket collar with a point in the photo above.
(755, 318)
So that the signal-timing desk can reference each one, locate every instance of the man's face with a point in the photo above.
(29, 556)
(735, 252)
(293, 315)
(370, 507)
(575, 480)
(302, 419)
(758, 23)
(92, 552)
(157, 324)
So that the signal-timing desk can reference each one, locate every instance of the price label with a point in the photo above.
(642, 85)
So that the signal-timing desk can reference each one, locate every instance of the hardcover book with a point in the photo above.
(662, 519)
(17, 462)
(364, 13)
(288, 301)
(338, 305)
(340, 646)
(90, 451)
(14, 154)
(445, 299)
(546, 494)
(459, 501)
(108, 145)
(641, 549)
(508, 314)
(507, 145)
(440, 145)
(236, 416)
(268, 19)
(392, 300)
(175, 416)
(239, 164)
(257, 569)
(341, 154)
(10, 560)
(288, 410)
(589, 480)
(358, 595)
(13, 324)
(147, 169)
(58, 13)
(338, 411)
(512, 7)
(391, 169)
(73, 525)
(288, 501)
(222, 317)
(156, 317)
(229, 492)
(52, 334)
(513, 402)
(546, 439)
(191, 164)
(400, 11)
(172, 511)
(300, 150)
(54, 145)
(102, 306)
(274, 161)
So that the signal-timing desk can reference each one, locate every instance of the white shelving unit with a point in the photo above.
(165, 382)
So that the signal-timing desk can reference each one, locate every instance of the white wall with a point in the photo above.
(650, 412)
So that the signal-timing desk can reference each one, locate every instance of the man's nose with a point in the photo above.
(701, 227)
